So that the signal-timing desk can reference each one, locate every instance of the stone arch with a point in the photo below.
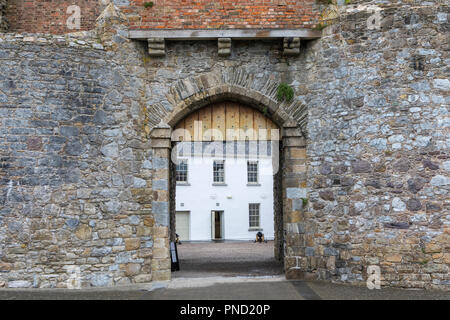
(191, 94)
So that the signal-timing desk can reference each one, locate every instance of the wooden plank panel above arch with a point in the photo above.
(218, 121)
(233, 121)
(273, 132)
(259, 126)
(189, 126)
(179, 134)
(246, 123)
(205, 118)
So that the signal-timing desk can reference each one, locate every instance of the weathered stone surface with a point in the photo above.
(327, 195)
(413, 204)
(132, 269)
(430, 165)
(440, 180)
(101, 280)
(132, 244)
(296, 193)
(416, 184)
(398, 204)
(84, 232)
(398, 171)
(19, 284)
(110, 150)
(143, 278)
(401, 165)
(361, 166)
(5, 267)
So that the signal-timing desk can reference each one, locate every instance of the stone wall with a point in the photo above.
(73, 160)
(76, 162)
(378, 97)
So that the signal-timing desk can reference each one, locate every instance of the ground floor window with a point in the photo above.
(253, 215)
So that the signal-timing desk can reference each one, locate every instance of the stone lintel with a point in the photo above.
(235, 34)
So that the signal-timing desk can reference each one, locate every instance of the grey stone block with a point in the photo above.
(160, 185)
(296, 193)
(160, 163)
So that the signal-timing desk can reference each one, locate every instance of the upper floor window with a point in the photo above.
(252, 171)
(253, 215)
(219, 171)
(182, 171)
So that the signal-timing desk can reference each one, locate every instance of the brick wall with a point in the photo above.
(50, 16)
(203, 14)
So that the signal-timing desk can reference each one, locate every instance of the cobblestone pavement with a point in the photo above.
(229, 259)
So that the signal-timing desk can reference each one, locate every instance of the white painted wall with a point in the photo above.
(200, 197)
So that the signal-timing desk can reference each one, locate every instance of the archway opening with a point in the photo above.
(225, 192)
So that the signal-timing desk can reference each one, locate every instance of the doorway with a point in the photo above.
(226, 156)
(183, 225)
(217, 225)
(199, 115)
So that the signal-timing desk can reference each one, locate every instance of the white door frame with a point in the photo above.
(189, 221)
(213, 224)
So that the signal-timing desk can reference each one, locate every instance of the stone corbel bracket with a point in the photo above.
(156, 47)
(291, 46)
(224, 47)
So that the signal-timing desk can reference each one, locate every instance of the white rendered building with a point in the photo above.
(224, 190)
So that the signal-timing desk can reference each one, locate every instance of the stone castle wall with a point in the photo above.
(76, 165)
(378, 146)
(72, 161)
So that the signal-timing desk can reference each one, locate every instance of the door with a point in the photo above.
(217, 231)
(182, 225)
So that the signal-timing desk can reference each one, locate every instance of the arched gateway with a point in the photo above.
(226, 101)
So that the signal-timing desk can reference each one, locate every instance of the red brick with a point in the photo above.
(39, 16)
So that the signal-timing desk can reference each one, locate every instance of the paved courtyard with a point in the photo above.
(228, 259)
